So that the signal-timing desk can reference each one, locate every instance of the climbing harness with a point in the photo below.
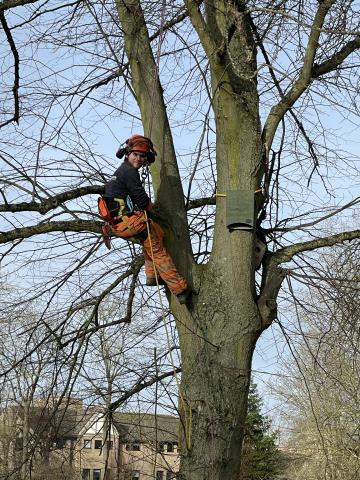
(113, 211)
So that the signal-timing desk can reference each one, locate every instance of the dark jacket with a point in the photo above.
(126, 181)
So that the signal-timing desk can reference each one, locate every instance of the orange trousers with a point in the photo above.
(154, 250)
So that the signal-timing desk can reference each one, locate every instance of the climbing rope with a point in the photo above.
(157, 65)
(187, 421)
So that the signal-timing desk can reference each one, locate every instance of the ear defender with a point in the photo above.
(121, 152)
(150, 157)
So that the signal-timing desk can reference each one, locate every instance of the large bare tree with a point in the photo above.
(250, 85)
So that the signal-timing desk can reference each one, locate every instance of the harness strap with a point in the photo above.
(123, 206)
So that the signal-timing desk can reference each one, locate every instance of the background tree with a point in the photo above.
(261, 459)
(246, 81)
(320, 392)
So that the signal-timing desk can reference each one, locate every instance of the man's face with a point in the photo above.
(137, 159)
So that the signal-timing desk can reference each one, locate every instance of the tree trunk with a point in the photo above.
(25, 437)
(223, 323)
(216, 364)
(219, 327)
(217, 337)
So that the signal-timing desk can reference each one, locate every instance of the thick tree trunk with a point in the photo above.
(216, 365)
(225, 321)
(217, 337)
(219, 327)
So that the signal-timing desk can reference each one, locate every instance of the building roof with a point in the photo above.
(65, 421)
(71, 420)
(146, 427)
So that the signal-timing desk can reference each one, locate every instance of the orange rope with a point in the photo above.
(157, 66)
(183, 402)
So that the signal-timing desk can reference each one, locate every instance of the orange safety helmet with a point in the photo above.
(138, 143)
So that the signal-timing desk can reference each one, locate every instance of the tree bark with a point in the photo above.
(217, 342)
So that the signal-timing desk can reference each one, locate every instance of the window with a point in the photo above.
(85, 474)
(110, 444)
(171, 447)
(87, 443)
(98, 444)
(170, 475)
(135, 475)
(159, 475)
(96, 474)
(135, 446)
(60, 443)
(161, 446)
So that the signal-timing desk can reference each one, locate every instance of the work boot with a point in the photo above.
(151, 281)
(183, 296)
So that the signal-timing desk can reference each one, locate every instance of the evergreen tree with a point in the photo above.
(261, 457)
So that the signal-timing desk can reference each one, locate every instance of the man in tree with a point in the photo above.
(130, 222)
(253, 78)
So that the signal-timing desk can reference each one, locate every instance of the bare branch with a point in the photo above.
(336, 60)
(200, 202)
(53, 202)
(301, 84)
(141, 385)
(303, 226)
(65, 226)
(7, 4)
(133, 271)
(15, 89)
(274, 275)
(287, 253)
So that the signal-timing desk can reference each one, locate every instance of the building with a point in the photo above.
(148, 446)
(82, 442)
